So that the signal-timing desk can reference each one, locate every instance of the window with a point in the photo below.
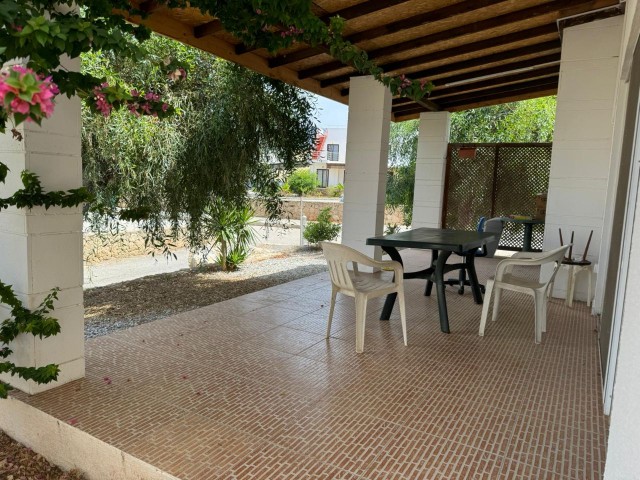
(333, 152)
(323, 177)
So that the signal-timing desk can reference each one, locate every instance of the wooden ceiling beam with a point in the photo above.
(485, 96)
(504, 90)
(397, 26)
(516, 97)
(485, 25)
(347, 13)
(553, 71)
(208, 28)
(516, 53)
(560, 6)
(504, 68)
(469, 48)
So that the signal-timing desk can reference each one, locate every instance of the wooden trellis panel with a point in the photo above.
(501, 179)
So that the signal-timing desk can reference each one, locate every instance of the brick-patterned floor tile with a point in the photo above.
(417, 455)
(250, 389)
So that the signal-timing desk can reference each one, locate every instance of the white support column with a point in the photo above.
(366, 162)
(42, 249)
(582, 141)
(433, 139)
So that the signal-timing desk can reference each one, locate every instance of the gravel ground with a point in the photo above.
(18, 462)
(144, 300)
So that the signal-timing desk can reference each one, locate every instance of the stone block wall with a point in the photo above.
(129, 243)
(311, 209)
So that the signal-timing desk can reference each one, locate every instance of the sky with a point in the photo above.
(330, 113)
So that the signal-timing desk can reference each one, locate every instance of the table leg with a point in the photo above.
(439, 280)
(528, 234)
(391, 298)
(429, 287)
(473, 278)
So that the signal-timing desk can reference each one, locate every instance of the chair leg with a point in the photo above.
(485, 307)
(403, 315)
(361, 317)
(540, 314)
(496, 303)
(334, 293)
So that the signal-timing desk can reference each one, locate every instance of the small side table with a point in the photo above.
(574, 269)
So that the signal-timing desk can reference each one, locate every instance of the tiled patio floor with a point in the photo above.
(250, 389)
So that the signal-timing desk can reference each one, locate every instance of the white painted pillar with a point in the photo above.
(433, 139)
(42, 249)
(366, 163)
(582, 141)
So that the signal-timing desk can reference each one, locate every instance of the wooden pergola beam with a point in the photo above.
(394, 27)
(547, 72)
(467, 49)
(347, 13)
(208, 28)
(508, 68)
(507, 55)
(558, 6)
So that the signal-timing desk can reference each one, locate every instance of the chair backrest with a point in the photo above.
(553, 256)
(493, 225)
(480, 227)
(338, 257)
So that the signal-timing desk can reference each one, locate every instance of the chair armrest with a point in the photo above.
(383, 265)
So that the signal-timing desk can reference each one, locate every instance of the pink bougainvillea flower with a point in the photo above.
(107, 380)
(20, 106)
(135, 93)
(72, 421)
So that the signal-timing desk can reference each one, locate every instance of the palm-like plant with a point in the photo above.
(229, 228)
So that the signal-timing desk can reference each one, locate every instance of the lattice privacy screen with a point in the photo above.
(502, 179)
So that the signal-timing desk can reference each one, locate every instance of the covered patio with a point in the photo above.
(250, 388)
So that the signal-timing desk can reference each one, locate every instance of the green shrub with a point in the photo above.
(323, 229)
(302, 181)
(335, 191)
(391, 229)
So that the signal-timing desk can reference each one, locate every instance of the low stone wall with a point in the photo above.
(130, 243)
(311, 209)
(125, 244)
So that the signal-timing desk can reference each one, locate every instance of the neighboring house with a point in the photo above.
(328, 161)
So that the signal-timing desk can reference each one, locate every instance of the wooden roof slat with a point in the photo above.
(393, 27)
(515, 53)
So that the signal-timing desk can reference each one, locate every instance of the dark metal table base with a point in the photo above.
(435, 274)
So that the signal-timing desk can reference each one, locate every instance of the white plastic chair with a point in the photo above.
(504, 279)
(360, 285)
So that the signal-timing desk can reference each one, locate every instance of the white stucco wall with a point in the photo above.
(367, 157)
(623, 451)
(433, 139)
(583, 138)
(42, 249)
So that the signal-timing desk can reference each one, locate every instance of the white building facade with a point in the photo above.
(329, 160)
